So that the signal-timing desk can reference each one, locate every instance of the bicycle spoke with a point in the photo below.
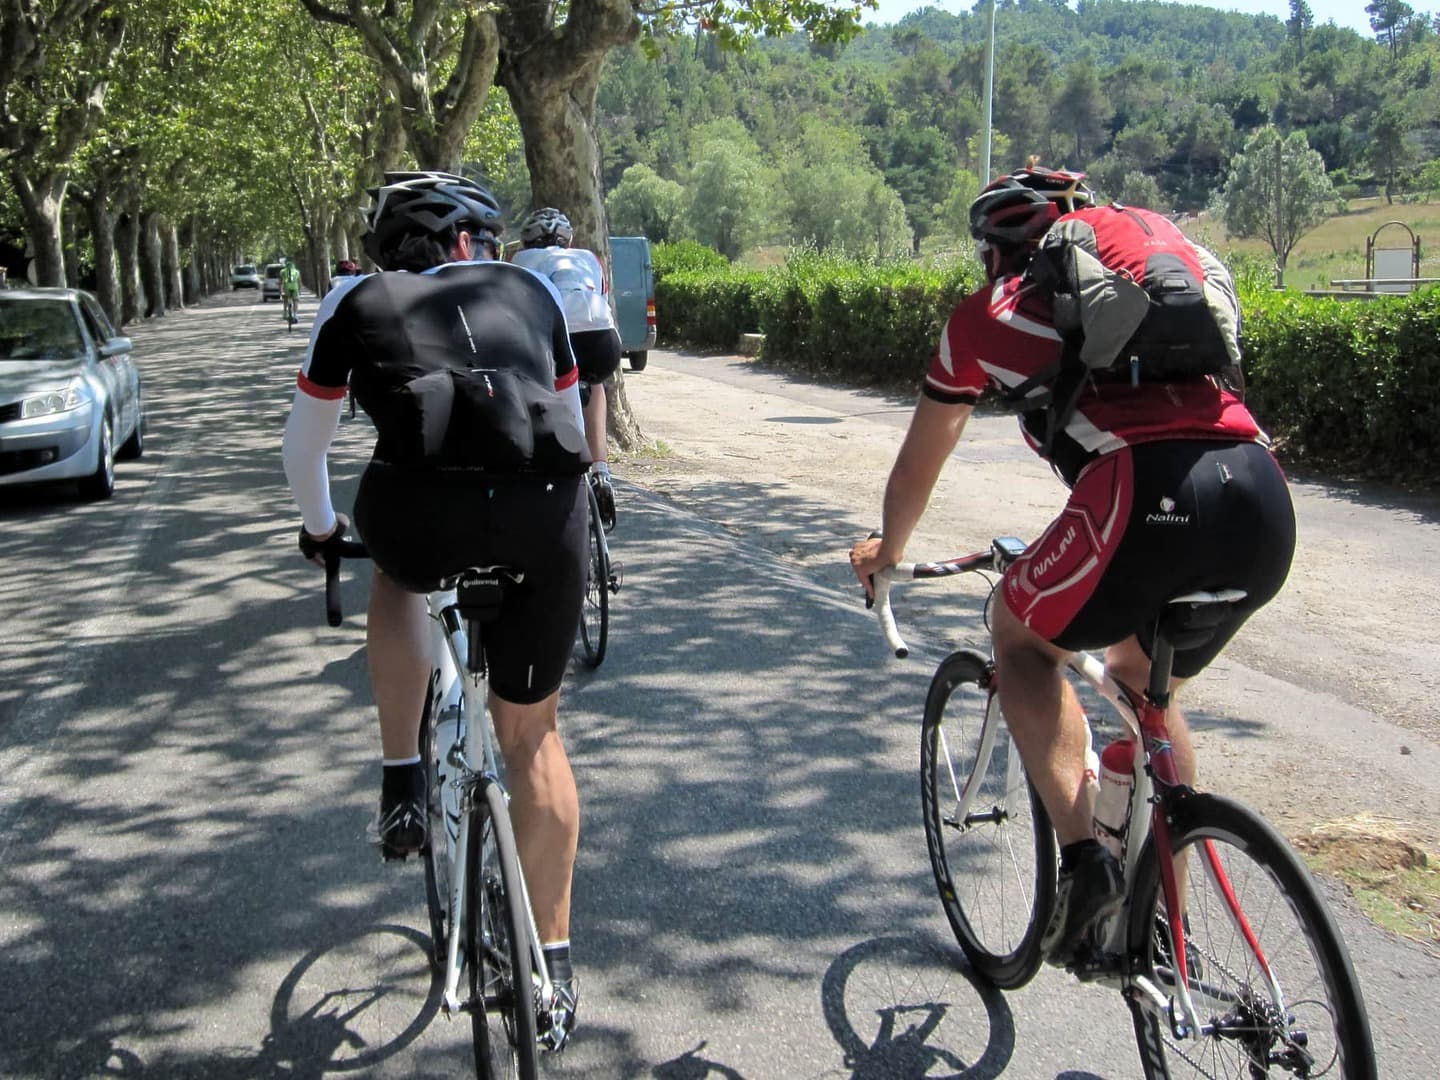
(1271, 984)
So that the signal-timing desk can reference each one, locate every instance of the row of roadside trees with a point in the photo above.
(156, 141)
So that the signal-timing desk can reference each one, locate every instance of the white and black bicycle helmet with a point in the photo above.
(434, 204)
(546, 227)
(1017, 209)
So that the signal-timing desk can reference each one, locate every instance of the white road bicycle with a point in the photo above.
(482, 929)
(1225, 951)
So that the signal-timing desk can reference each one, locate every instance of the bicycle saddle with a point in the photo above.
(1189, 620)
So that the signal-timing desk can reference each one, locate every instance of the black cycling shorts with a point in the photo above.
(597, 353)
(1147, 524)
(422, 525)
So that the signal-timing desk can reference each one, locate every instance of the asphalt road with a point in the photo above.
(188, 764)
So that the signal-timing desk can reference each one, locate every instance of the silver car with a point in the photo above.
(70, 397)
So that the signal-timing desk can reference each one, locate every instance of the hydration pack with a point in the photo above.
(1133, 299)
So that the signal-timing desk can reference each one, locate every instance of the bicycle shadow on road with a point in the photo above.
(344, 1007)
(903, 1006)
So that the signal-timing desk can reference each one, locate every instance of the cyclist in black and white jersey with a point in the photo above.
(585, 296)
(464, 365)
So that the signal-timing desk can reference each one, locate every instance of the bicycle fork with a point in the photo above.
(1160, 772)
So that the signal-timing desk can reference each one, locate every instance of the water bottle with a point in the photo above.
(447, 730)
(1112, 802)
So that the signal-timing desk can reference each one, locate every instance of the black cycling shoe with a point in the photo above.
(557, 1023)
(401, 824)
(604, 499)
(401, 827)
(1090, 890)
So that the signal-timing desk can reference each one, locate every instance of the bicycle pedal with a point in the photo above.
(1091, 964)
(617, 576)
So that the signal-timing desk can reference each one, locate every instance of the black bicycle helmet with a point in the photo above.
(435, 204)
(1017, 209)
(546, 227)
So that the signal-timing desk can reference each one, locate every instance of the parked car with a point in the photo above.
(632, 283)
(70, 395)
(244, 277)
(270, 290)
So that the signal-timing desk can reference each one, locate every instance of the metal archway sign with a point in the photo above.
(1392, 269)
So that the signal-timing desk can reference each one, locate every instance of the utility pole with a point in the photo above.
(989, 98)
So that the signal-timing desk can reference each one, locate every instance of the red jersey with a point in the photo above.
(1001, 335)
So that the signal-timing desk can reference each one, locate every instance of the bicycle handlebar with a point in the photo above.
(1002, 552)
(334, 552)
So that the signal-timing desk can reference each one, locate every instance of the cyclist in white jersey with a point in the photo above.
(584, 293)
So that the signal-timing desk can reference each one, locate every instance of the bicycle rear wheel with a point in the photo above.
(1316, 1026)
(995, 868)
(497, 934)
(595, 613)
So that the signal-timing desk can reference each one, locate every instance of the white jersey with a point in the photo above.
(577, 276)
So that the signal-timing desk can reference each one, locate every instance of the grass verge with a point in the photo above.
(1386, 867)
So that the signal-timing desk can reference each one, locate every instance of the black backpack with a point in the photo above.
(1132, 298)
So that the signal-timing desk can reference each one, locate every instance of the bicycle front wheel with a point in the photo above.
(437, 848)
(502, 991)
(595, 613)
(1269, 974)
(990, 842)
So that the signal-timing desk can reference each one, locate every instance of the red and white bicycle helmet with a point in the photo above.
(1016, 210)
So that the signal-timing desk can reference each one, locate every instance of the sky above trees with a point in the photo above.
(1346, 13)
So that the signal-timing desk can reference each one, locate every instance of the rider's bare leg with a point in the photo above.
(543, 804)
(1046, 721)
(397, 648)
(595, 420)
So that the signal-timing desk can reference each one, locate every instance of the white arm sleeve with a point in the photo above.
(308, 434)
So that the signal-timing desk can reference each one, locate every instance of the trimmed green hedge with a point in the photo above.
(1349, 384)
(819, 313)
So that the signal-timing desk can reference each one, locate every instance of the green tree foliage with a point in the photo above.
(1388, 152)
(731, 189)
(644, 203)
(1277, 190)
(954, 212)
(837, 198)
(1387, 19)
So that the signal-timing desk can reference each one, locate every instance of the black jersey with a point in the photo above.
(463, 366)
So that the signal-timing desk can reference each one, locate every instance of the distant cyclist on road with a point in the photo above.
(578, 275)
(1172, 489)
(464, 364)
(290, 283)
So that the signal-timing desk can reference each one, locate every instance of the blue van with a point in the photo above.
(632, 284)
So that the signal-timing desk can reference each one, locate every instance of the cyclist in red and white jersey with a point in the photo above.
(1173, 489)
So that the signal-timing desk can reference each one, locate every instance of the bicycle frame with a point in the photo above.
(1156, 784)
(457, 684)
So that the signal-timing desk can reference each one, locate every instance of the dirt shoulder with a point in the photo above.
(1324, 707)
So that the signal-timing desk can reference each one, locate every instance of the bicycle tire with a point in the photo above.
(996, 876)
(436, 855)
(595, 610)
(1297, 935)
(502, 992)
